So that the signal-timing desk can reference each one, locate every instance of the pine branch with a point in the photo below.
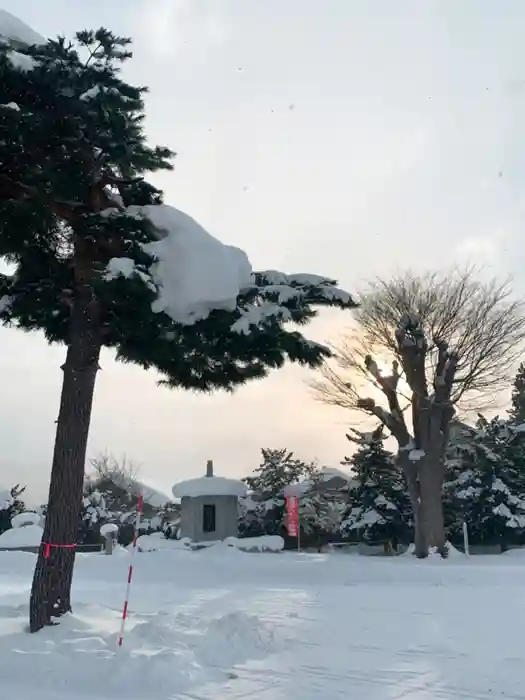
(12, 189)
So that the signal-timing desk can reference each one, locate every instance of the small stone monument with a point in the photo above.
(109, 532)
(209, 506)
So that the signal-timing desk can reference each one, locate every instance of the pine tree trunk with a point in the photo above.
(51, 589)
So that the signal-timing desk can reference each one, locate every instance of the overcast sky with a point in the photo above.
(344, 137)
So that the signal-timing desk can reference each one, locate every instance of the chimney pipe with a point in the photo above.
(209, 467)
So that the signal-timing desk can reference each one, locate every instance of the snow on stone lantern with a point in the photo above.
(209, 506)
(109, 531)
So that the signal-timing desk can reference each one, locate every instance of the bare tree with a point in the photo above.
(447, 339)
(122, 472)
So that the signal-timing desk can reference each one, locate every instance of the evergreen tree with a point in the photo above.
(517, 411)
(320, 516)
(458, 456)
(379, 508)
(78, 221)
(487, 490)
(506, 441)
(278, 469)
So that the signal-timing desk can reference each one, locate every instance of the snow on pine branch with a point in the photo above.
(278, 297)
(14, 32)
(21, 61)
(194, 274)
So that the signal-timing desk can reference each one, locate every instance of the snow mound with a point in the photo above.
(234, 636)
(266, 543)
(158, 543)
(194, 272)
(164, 655)
(452, 551)
(209, 486)
(29, 536)
(13, 28)
(120, 551)
(24, 519)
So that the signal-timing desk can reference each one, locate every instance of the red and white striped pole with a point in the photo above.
(130, 572)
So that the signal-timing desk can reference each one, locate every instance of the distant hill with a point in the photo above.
(18, 32)
(151, 495)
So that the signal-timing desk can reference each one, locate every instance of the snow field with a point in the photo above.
(220, 623)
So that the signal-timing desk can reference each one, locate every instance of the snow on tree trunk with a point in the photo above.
(51, 589)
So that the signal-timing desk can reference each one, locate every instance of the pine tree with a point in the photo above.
(379, 508)
(75, 214)
(517, 412)
(457, 459)
(320, 517)
(278, 469)
(487, 490)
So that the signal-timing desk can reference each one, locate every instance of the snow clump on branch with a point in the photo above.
(193, 274)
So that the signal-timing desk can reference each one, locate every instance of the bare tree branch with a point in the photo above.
(123, 472)
(456, 339)
(481, 323)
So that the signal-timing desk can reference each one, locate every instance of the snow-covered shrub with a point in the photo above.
(10, 506)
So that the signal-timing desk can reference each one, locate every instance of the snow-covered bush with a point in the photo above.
(10, 506)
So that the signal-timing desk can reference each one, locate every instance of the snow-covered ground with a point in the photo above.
(220, 623)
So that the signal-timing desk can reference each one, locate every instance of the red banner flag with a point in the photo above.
(292, 515)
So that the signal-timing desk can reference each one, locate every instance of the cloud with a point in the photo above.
(173, 26)
(479, 249)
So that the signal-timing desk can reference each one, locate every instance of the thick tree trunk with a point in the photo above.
(51, 590)
(431, 473)
(420, 532)
(411, 475)
(425, 484)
